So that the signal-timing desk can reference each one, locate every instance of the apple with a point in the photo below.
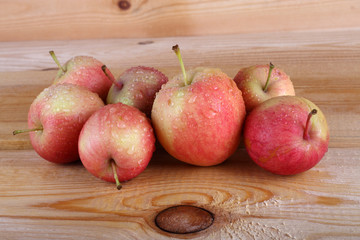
(116, 143)
(56, 118)
(198, 115)
(261, 82)
(137, 87)
(286, 135)
(84, 71)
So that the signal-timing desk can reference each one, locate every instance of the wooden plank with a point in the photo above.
(41, 200)
(67, 202)
(325, 52)
(89, 19)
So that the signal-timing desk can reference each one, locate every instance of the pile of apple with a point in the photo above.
(198, 116)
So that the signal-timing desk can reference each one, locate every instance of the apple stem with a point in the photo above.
(118, 184)
(271, 67)
(306, 134)
(52, 54)
(27, 130)
(176, 49)
(118, 85)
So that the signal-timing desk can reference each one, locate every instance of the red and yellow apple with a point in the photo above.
(56, 118)
(85, 71)
(286, 135)
(198, 116)
(116, 143)
(261, 82)
(137, 87)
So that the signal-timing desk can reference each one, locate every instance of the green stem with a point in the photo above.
(118, 85)
(176, 49)
(306, 131)
(27, 130)
(271, 67)
(118, 184)
(52, 54)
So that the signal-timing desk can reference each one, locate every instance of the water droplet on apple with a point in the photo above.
(139, 95)
(216, 108)
(114, 134)
(180, 94)
(192, 99)
(136, 131)
(120, 124)
(47, 107)
(139, 162)
(131, 150)
(145, 129)
(210, 114)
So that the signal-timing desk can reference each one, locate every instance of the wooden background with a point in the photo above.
(89, 19)
(316, 42)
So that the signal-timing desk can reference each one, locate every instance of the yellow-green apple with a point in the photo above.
(56, 118)
(261, 82)
(138, 86)
(286, 135)
(198, 115)
(84, 71)
(116, 143)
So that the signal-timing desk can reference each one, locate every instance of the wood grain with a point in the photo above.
(89, 19)
(41, 200)
(248, 202)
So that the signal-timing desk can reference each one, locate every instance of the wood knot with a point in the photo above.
(124, 4)
(184, 219)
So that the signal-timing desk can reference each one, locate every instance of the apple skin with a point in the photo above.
(274, 135)
(86, 71)
(251, 81)
(199, 123)
(61, 110)
(119, 133)
(139, 86)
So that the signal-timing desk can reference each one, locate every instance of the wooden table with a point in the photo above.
(41, 200)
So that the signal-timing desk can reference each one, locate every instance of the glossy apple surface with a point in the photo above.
(275, 135)
(86, 71)
(200, 122)
(61, 111)
(116, 134)
(138, 88)
(252, 80)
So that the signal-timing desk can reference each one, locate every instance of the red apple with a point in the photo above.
(138, 86)
(116, 143)
(84, 71)
(286, 135)
(262, 82)
(198, 116)
(56, 118)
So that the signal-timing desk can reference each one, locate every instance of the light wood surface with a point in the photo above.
(41, 200)
(89, 19)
